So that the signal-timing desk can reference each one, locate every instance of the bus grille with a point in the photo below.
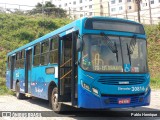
(121, 80)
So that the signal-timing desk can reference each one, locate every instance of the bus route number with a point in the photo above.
(138, 88)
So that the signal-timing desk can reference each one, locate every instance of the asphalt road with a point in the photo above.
(19, 107)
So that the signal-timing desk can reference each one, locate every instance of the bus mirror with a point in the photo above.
(79, 45)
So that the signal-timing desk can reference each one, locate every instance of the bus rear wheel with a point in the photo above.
(56, 106)
(18, 94)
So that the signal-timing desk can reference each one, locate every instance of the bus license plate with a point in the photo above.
(124, 101)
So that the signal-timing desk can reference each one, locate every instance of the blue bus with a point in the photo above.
(93, 63)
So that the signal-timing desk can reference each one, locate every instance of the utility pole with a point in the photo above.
(5, 8)
(43, 14)
(108, 8)
(126, 15)
(139, 8)
(150, 12)
(42, 8)
(19, 7)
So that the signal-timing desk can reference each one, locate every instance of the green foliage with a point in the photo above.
(158, 27)
(153, 44)
(3, 89)
(155, 83)
(48, 24)
(23, 34)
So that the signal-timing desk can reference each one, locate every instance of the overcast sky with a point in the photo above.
(19, 2)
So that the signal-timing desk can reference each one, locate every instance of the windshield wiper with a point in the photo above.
(132, 44)
(130, 48)
(112, 46)
(129, 53)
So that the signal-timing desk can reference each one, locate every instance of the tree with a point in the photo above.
(48, 9)
(139, 8)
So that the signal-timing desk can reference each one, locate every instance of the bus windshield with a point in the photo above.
(98, 56)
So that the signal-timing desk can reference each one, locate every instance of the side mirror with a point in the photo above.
(79, 45)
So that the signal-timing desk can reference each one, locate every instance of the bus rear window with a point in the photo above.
(114, 25)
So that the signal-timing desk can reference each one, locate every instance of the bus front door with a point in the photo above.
(67, 69)
(28, 71)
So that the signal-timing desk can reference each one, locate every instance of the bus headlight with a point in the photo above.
(146, 91)
(95, 91)
(147, 88)
(86, 86)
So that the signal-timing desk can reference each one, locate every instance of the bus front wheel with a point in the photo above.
(56, 106)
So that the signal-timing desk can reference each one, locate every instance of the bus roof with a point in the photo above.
(75, 23)
(114, 18)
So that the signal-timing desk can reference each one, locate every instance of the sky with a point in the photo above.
(20, 2)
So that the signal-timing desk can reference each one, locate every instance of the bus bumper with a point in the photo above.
(92, 101)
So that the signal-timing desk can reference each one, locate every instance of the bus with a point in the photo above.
(92, 63)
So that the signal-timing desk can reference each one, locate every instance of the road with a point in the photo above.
(10, 103)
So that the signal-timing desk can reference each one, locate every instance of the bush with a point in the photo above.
(3, 89)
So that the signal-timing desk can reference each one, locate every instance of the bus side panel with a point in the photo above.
(8, 73)
(40, 82)
(35, 90)
(22, 80)
(29, 80)
(48, 78)
(15, 78)
(19, 76)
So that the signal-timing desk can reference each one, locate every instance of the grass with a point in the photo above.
(3, 89)
(155, 83)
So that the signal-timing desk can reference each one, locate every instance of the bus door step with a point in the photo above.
(69, 104)
(28, 95)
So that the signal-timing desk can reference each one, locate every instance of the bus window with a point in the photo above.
(54, 44)
(36, 60)
(22, 54)
(21, 59)
(17, 60)
(53, 56)
(44, 52)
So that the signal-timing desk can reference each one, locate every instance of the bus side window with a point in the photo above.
(44, 52)
(21, 59)
(17, 60)
(36, 59)
(53, 56)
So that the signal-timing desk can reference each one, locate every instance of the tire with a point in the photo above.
(18, 94)
(56, 106)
